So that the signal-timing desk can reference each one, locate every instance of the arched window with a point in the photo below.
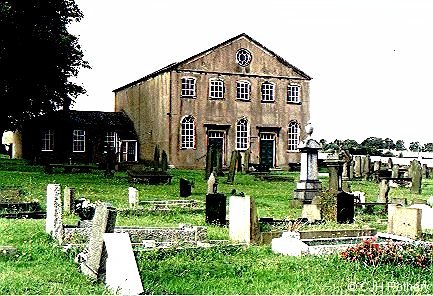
(242, 134)
(268, 92)
(188, 133)
(216, 89)
(293, 136)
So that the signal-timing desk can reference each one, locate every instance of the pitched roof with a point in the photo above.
(173, 66)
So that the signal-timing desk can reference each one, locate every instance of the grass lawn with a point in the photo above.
(41, 267)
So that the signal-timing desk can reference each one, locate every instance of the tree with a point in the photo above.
(399, 145)
(389, 144)
(37, 58)
(428, 147)
(373, 145)
(415, 146)
(352, 146)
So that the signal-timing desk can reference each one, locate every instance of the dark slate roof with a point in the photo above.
(173, 66)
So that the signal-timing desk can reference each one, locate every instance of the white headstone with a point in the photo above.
(53, 222)
(426, 216)
(211, 184)
(133, 197)
(122, 275)
(243, 220)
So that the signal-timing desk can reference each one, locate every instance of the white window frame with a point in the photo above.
(112, 141)
(187, 87)
(79, 141)
(243, 90)
(293, 133)
(47, 139)
(216, 88)
(268, 92)
(187, 134)
(242, 134)
(293, 93)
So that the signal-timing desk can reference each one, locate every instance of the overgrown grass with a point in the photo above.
(42, 268)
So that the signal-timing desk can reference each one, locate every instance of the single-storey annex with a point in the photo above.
(238, 95)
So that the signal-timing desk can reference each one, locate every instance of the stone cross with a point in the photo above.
(54, 224)
(383, 191)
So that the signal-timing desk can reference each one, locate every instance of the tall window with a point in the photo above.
(111, 141)
(79, 141)
(242, 134)
(243, 90)
(188, 87)
(188, 133)
(293, 136)
(293, 94)
(47, 140)
(216, 89)
(267, 92)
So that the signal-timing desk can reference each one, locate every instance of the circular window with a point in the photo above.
(243, 57)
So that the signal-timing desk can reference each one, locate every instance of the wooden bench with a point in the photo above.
(69, 168)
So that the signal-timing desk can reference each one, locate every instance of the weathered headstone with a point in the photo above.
(335, 170)
(218, 169)
(54, 224)
(184, 187)
(216, 208)
(164, 161)
(122, 276)
(246, 161)
(211, 184)
(366, 166)
(103, 221)
(311, 212)
(68, 199)
(352, 170)
(426, 216)
(243, 220)
(404, 221)
(156, 156)
(390, 163)
(232, 168)
(383, 191)
(209, 166)
(424, 171)
(358, 166)
(133, 197)
(376, 166)
(395, 171)
(416, 171)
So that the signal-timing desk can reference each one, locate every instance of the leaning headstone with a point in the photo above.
(243, 220)
(246, 163)
(232, 168)
(103, 221)
(416, 177)
(184, 187)
(404, 221)
(216, 208)
(211, 184)
(122, 276)
(164, 161)
(54, 224)
(68, 199)
(383, 191)
(133, 197)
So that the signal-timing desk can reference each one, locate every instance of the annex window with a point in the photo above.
(47, 139)
(293, 136)
(242, 134)
(216, 89)
(79, 141)
(268, 92)
(188, 133)
(243, 90)
(293, 94)
(188, 87)
(111, 141)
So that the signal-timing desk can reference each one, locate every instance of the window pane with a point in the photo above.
(188, 134)
(293, 136)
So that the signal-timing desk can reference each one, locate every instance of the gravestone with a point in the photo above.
(404, 221)
(184, 187)
(395, 171)
(156, 157)
(425, 171)
(243, 220)
(209, 167)
(426, 216)
(103, 221)
(309, 185)
(311, 212)
(164, 161)
(390, 163)
(211, 184)
(68, 199)
(416, 171)
(335, 170)
(133, 197)
(122, 276)
(352, 170)
(358, 166)
(218, 163)
(366, 166)
(383, 191)
(54, 224)
(345, 207)
(216, 208)
(246, 162)
(376, 166)
(232, 168)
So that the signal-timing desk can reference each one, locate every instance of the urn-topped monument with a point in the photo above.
(309, 185)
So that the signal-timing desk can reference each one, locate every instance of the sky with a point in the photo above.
(370, 60)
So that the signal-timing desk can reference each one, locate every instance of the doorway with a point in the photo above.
(267, 149)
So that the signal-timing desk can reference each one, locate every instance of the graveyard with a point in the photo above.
(178, 250)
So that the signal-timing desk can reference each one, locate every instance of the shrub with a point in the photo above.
(371, 253)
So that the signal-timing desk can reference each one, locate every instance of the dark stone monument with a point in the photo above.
(345, 207)
(156, 156)
(216, 208)
(232, 168)
(209, 167)
(164, 161)
(184, 187)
